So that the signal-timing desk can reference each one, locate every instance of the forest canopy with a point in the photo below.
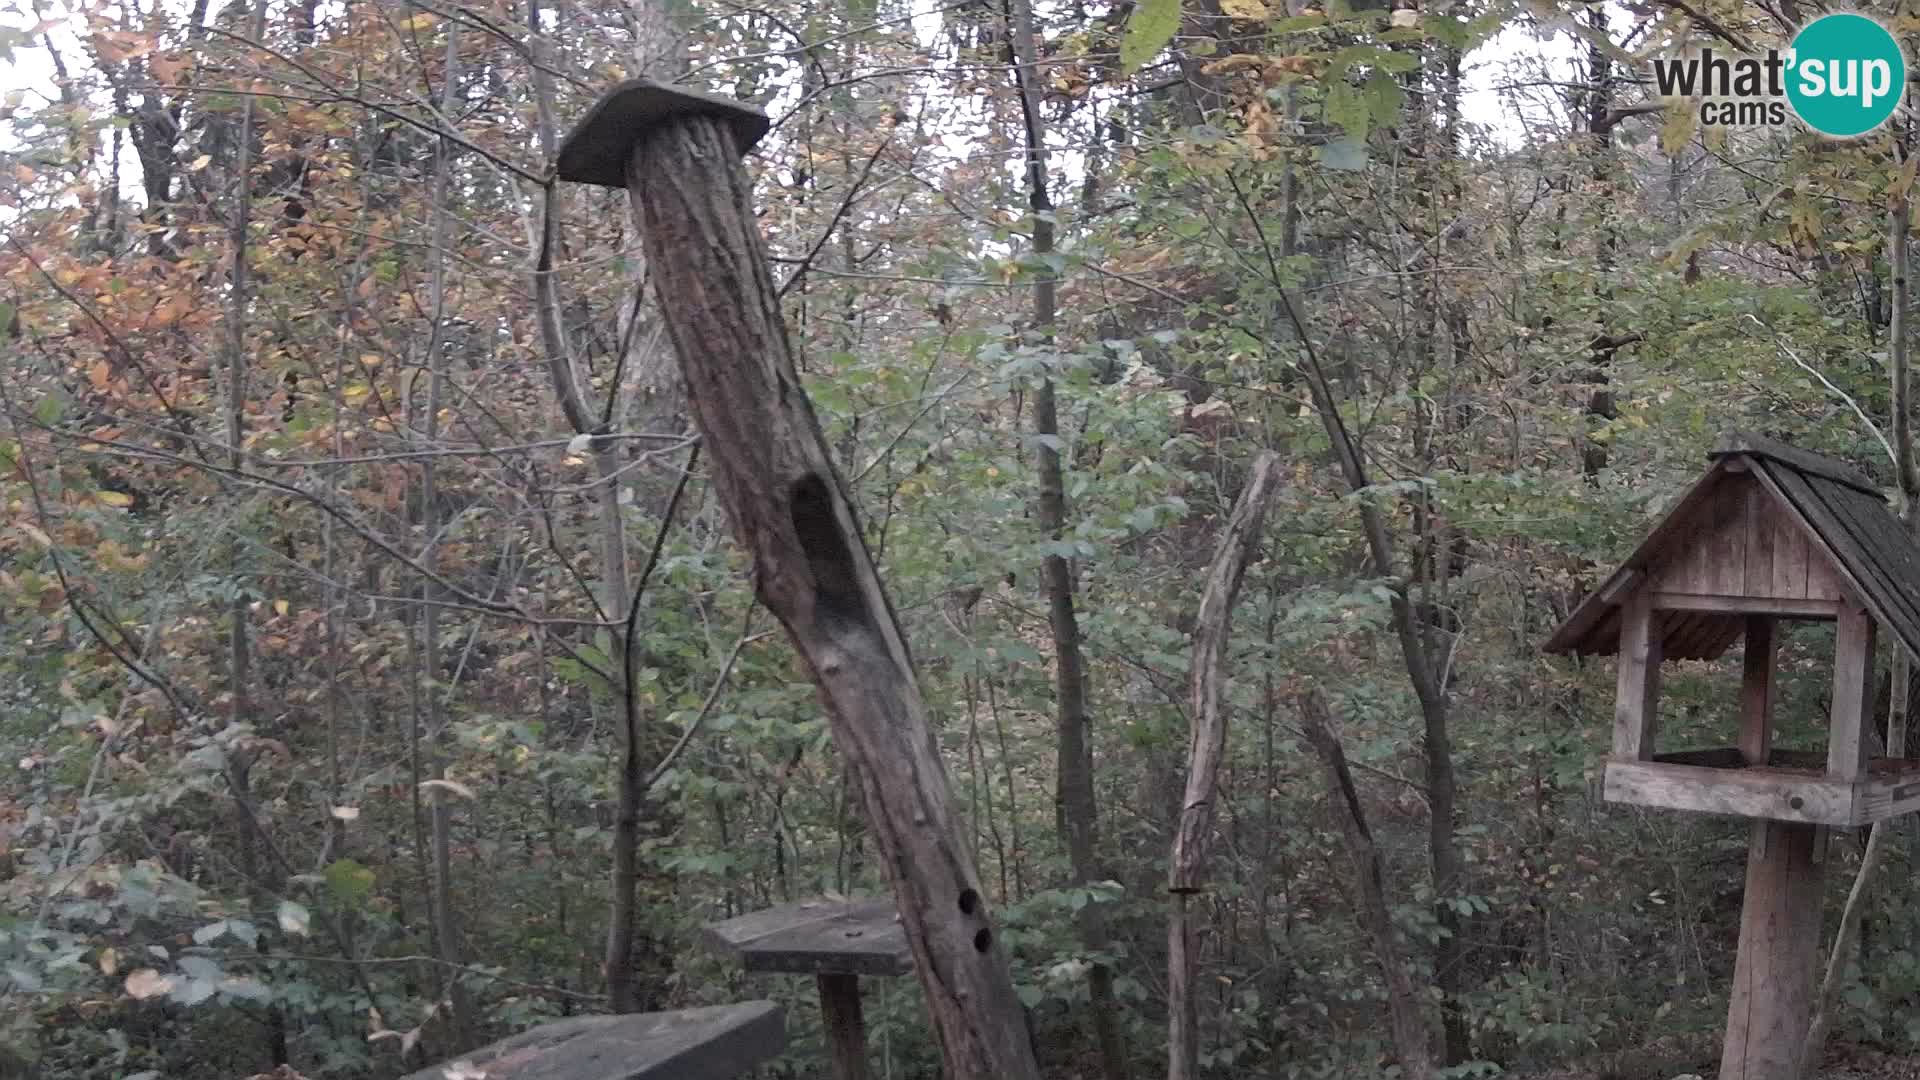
(1233, 396)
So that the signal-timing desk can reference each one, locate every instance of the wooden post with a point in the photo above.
(1756, 691)
(1773, 976)
(1636, 702)
(1852, 691)
(846, 1027)
(677, 153)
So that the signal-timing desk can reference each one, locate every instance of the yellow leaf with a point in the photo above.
(200, 162)
(280, 606)
(114, 498)
(109, 961)
(419, 22)
(372, 359)
(1250, 10)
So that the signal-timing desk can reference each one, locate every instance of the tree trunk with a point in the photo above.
(1078, 809)
(774, 473)
(1204, 753)
(446, 918)
(1412, 1039)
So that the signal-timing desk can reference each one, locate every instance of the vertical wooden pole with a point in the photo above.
(846, 1026)
(1756, 691)
(1852, 687)
(1773, 977)
(1636, 702)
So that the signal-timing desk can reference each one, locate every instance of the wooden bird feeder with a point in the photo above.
(1770, 533)
(835, 941)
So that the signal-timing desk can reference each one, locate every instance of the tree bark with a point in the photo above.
(774, 473)
(1078, 807)
(1205, 750)
(1412, 1037)
(446, 917)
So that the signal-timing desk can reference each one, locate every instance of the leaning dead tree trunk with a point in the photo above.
(1412, 1037)
(1205, 748)
(677, 152)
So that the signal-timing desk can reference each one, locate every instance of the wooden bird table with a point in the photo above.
(716, 1043)
(835, 941)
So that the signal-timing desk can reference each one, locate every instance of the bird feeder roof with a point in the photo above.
(1761, 505)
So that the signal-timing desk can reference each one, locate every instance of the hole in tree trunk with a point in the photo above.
(829, 556)
(969, 901)
(983, 940)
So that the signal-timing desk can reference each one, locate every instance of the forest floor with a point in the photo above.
(1693, 1059)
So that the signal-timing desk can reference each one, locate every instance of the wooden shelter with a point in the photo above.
(1769, 533)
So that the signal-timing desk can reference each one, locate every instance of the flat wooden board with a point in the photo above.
(1715, 781)
(717, 1043)
(819, 937)
(597, 149)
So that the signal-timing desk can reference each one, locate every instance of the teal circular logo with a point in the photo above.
(1845, 75)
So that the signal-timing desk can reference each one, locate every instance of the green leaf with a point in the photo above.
(1348, 154)
(1152, 24)
(1346, 109)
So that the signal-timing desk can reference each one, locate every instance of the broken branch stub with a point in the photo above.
(772, 470)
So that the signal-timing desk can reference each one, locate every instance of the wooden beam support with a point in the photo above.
(1852, 693)
(1636, 703)
(1788, 607)
(1756, 691)
(846, 1026)
(1773, 976)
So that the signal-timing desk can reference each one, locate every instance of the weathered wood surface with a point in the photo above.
(1852, 694)
(1636, 702)
(1756, 691)
(1206, 747)
(814, 937)
(716, 1043)
(598, 148)
(1752, 793)
(846, 1026)
(773, 471)
(1773, 975)
(1717, 781)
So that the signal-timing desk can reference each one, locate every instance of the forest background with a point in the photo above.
(337, 492)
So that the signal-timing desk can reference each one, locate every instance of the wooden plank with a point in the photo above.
(1756, 691)
(716, 1043)
(852, 937)
(846, 1027)
(1852, 694)
(1822, 581)
(1761, 529)
(1787, 607)
(1636, 704)
(1727, 555)
(1773, 975)
(1886, 544)
(1809, 799)
(1789, 556)
(1886, 795)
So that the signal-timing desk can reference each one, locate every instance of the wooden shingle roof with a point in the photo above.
(1847, 527)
